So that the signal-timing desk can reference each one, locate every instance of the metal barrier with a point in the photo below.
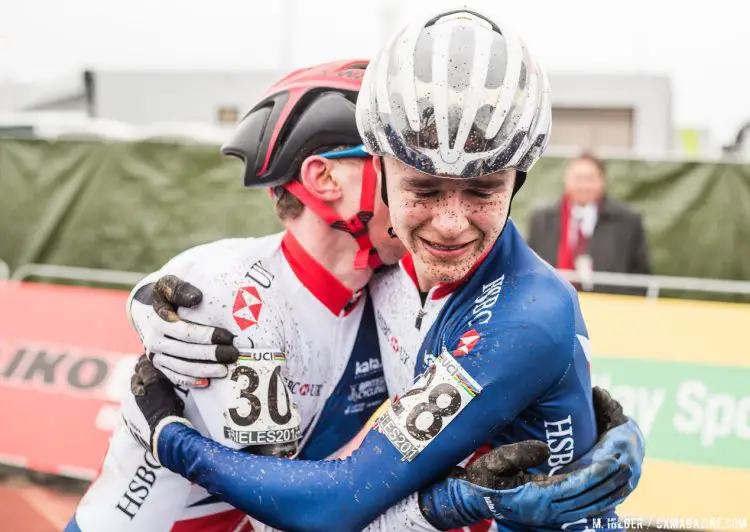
(74, 273)
(4, 270)
(655, 283)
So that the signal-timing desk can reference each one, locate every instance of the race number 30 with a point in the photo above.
(435, 399)
(254, 406)
(259, 409)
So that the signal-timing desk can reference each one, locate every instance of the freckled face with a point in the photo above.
(447, 224)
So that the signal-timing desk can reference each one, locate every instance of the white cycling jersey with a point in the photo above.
(403, 321)
(276, 299)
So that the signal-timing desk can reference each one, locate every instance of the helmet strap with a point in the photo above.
(356, 226)
(520, 180)
(384, 192)
(383, 188)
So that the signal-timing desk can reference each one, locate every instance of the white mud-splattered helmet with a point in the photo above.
(456, 96)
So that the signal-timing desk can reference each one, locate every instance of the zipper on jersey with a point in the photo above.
(428, 305)
(421, 314)
(424, 297)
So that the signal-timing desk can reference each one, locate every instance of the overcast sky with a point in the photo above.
(702, 46)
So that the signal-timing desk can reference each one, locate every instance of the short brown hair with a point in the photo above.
(589, 156)
(287, 206)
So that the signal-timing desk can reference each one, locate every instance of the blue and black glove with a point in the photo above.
(498, 486)
(157, 400)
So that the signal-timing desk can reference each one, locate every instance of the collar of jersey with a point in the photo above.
(443, 289)
(320, 282)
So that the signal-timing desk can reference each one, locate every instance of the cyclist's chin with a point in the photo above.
(441, 270)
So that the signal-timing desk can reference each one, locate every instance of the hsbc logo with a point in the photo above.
(394, 344)
(483, 305)
(247, 306)
(466, 343)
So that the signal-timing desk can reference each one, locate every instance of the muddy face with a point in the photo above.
(446, 224)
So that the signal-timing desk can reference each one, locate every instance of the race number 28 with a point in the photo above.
(431, 407)
(418, 416)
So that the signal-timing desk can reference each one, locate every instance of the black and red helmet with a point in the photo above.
(309, 109)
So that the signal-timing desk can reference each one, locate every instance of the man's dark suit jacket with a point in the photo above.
(617, 245)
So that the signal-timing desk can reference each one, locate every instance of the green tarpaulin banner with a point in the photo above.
(119, 205)
(132, 206)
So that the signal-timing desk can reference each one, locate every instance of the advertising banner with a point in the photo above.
(66, 355)
(682, 370)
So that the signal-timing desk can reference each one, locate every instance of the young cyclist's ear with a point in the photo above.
(316, 174)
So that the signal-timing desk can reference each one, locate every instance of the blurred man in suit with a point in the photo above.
(589, 231)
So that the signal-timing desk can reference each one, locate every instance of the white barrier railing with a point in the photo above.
(74, 273)
(655, 283)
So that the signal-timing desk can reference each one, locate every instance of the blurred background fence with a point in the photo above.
(131, 206)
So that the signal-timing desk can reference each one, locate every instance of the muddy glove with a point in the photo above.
(498, 486)
(156, 399)
(620, 439)
(187, 353)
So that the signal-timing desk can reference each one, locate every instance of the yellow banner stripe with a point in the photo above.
(671, 489)
(668, 329)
